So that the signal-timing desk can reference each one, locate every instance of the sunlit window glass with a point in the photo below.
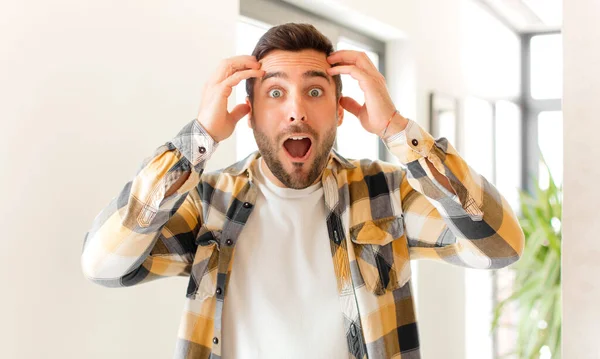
(479, 154)
(546, 66)
(508, 151)
(479, 136)
(550, 139)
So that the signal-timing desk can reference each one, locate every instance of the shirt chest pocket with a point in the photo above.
(381, 251)
(203, 276)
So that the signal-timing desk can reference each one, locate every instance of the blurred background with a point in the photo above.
(89, 89)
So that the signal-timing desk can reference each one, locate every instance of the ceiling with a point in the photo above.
(523, 16)
(528, 15)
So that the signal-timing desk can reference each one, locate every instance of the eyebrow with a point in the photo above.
(307, 74)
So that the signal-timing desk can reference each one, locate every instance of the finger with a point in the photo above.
(237, 77)
(350, 105)
(352, 57)
(241, 62)
(239, 112)
(356, 73)
(234, 64)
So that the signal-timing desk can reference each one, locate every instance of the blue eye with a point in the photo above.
(277, 91)
(312, 92)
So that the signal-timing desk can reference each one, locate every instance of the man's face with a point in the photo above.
(295, 115)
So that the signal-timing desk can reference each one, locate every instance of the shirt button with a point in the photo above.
(218, 291)
(229, 242)
(247, 205)
(201, 149)
(353, 330)
(216, 340)
(415, 142)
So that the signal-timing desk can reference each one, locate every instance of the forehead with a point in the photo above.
(289, 61)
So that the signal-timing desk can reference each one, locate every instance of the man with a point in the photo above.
(322, 244)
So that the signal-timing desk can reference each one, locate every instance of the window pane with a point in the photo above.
(479, 154)
(508, 151)
(444, 117)
(546, 66)
(479, 136)
(248, 35)
(508, 182)
(507, 333)
(351, 132)
(478, 316)
(550, 139)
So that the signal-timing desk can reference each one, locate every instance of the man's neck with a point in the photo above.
(271, 177)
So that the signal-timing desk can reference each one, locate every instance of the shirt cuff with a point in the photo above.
(415, 144)
(195, 144)
(411, 143)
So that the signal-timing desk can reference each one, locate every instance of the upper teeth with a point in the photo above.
(297, 138)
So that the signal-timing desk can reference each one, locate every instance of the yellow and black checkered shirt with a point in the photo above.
(380, 216)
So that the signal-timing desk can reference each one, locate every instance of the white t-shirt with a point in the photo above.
(282, 300)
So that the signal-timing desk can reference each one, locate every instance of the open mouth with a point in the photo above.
(298, 147)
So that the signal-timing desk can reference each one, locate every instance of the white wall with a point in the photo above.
(581, 269)
(87, 90)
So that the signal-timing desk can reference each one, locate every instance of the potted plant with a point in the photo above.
(537, 284)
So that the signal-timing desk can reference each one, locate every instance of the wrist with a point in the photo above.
(209, 131)
(397, 124)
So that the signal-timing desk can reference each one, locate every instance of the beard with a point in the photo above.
(298, 179)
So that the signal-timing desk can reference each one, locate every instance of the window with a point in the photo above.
(508, 156)
(493, 149)
(508, 151)
(479, 154)
(479, 130)
(542, 107)
(536, 129)
(550, 139)
(491, 145)
(546, 66)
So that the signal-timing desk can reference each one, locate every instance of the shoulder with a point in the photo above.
(369, 167)
(225, 179)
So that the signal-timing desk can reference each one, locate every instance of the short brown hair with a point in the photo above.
(292, 37)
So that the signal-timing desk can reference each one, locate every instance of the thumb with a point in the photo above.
(350, 105)
(239, 112)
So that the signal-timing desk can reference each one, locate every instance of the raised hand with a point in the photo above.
(213, 114)
(378, 108)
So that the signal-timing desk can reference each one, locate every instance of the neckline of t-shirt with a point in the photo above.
(283, 191)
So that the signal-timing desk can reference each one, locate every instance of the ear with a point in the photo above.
(249, 113)
(340, 111)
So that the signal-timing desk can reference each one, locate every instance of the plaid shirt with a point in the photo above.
(380, 216)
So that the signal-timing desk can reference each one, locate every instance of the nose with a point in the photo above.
(297, 111)
(302, 118)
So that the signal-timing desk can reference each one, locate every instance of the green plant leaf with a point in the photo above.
(537, 284)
